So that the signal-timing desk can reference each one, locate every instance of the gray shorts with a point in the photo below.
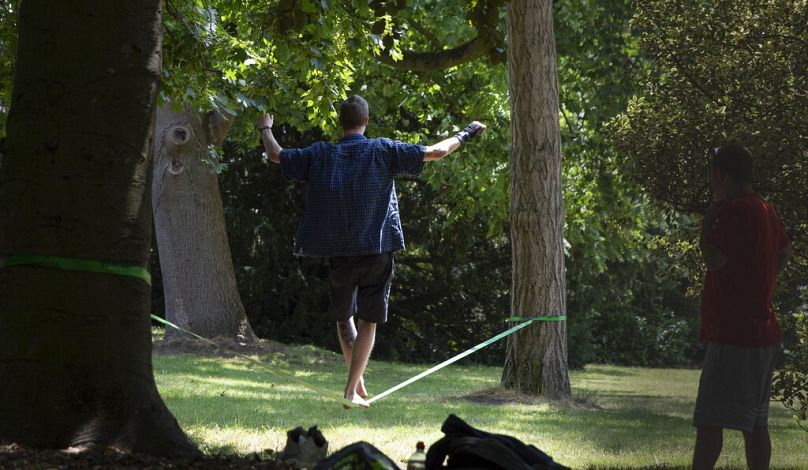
(735, 387)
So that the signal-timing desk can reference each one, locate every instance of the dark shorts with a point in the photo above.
(735, 387)
(360, 286)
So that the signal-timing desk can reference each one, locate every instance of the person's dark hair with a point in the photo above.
(353, 112)
(735, 161)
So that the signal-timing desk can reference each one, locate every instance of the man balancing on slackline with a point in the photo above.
(351, 217)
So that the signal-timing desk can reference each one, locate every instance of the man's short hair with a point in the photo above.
(353, 112)
(735, 161)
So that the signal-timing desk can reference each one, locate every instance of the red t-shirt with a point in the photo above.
(736, 306)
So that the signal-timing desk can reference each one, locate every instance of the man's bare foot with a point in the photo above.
(357, 400)
(360, 388)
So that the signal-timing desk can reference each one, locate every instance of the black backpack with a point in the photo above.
(471, 449)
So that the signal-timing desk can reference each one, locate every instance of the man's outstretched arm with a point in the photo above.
(273, 149)
(445, 147)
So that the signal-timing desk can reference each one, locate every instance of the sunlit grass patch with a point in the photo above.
(619, 417)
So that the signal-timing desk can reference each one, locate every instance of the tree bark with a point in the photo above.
(536, 360)
(198, 278)
(75, 347)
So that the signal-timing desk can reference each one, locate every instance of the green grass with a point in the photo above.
(641, 417)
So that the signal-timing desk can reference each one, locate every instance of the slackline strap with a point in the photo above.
(74, 264)
(326, 394)
(525, 322)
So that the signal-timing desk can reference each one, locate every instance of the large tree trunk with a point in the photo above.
(198, 279)
(75, 346)
(536, 361)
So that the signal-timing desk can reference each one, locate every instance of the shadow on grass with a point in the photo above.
(223, 398)
(601, 369)
(499, 395)
(608, 430)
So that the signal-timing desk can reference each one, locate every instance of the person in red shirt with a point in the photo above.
(744, 246)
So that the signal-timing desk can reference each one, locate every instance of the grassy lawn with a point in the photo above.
(622, 417)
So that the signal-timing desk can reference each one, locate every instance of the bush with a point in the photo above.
(790, 383)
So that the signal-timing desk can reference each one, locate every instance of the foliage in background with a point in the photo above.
(452, 283)
(790, 384)
(727, 70)
(8, 52)
(626, 295)
(299, 58)
(229, 54)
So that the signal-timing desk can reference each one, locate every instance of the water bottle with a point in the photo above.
(417, 460)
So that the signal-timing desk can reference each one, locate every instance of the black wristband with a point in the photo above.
(261, 129)
(470, 131)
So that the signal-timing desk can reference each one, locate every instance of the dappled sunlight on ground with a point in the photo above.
(619, 416)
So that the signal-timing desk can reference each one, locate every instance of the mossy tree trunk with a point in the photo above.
(536, 361)
(75, 347)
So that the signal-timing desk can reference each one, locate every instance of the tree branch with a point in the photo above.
(484, 16)
(444, 59)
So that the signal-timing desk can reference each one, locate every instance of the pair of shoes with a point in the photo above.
(304, 448)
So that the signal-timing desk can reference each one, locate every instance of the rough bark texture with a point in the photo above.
(75, 347)
(198, 279)
(536, 359)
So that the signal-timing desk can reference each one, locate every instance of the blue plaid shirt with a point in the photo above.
(351, 205)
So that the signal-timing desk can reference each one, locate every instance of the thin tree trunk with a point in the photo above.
(75, 347)
(536, 360)
(198, 278)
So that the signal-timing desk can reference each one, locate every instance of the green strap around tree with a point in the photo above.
(75, 264)
(539, 318)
